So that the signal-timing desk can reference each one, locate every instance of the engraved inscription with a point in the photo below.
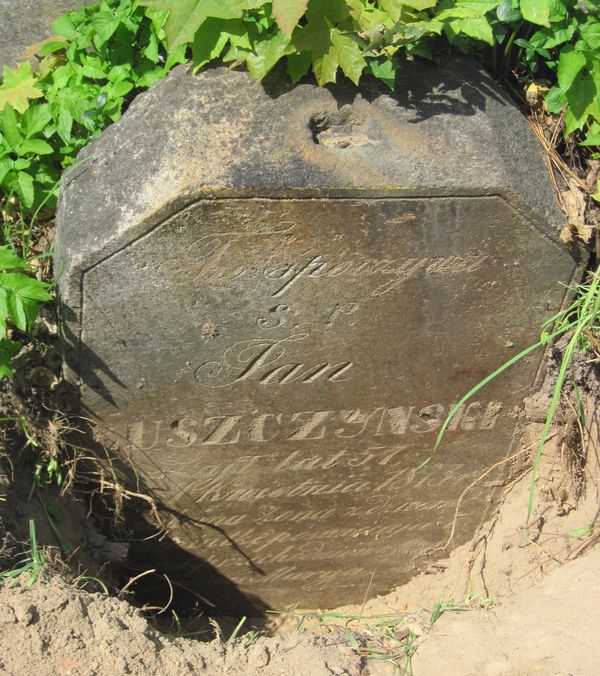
(311, 426)
(305, 356)
(260, 360)
(386, 274)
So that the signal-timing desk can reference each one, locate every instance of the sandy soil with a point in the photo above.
(551, 629)
(53, 629)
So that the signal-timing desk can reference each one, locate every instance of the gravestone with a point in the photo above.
(273, 296)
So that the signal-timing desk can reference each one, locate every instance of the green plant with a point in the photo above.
(102, 56)
(377, 637)
(581, 321)
(554, 39)
(33, 563)
(236, 631)
(20, 296)
(441, 607)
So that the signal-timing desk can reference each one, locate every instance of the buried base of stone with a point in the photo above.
(54, 628)
(507, 555)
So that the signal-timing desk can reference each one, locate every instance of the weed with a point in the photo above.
(251, 637)
(470, 603)
(33, 564)
(96, 580)
(236, 631)
(441, 607)
(554, 42)
(390, 638)
(580, 323)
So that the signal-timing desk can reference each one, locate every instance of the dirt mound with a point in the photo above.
(550, 629)
(53, 629)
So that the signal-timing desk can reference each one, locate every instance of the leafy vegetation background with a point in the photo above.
(104, 54)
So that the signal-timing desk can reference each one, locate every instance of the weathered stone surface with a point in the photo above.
(273, 297)
(26, 22)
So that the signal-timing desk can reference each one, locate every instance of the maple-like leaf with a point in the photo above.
(287, 13)
(186, 16)
(18, 87)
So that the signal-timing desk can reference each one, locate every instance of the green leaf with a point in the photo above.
(65, 27)
(93, 72)
(287, 13)
(23, 294)
(581, 97)
(10, 127)
(420, 4)
(120, 89)
(349, 55)
(584, 531)
(479, 7)
(315, 37)
(51, 47)
(151, 50)
(9, 260)
(105, 24)
(393, 8)
(325, 67)
(593, 140)
(6, 164)
(267, 53)
(35, 146)
(35, 119)
(384, 70)
(506, 13)
(4, 312)
(21, 163)
(570, 64)
(8, 349)
(186, 16)
(477, 28)
(555, 100)
(590, 32)
(18, 87)
(209, 42)
(298, 65)
(25, 188)
(552, 37)
(64, 125)
(24, 286)
(537, 11)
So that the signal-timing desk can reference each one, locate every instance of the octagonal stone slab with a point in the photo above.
(272, 298)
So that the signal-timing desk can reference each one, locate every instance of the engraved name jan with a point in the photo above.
(266, 361)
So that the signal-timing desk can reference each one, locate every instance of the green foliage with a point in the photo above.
(18, 87)
(347, 35)
(556, 41)
(20, 296)
(107, 52)
(102, 56)
(33, 563)
(565, 52)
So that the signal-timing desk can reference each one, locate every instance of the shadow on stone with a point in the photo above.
(178, 579)
(85, 362)
(422, 88)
